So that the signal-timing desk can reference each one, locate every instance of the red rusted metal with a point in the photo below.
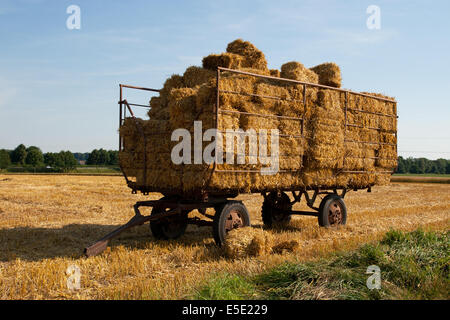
(335, 214)
(304, 108)
(122, 116)
(175, 208)
(233, 221)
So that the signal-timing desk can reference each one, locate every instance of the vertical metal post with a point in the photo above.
(120, 117)
(346, 104)
(217, 98)
(304, 108)
(217, 113)
(396, 126)
(345, 124)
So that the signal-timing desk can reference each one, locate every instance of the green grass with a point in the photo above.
(413, 266)
(227, 287)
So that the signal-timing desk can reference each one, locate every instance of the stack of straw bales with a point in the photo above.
(321, 157)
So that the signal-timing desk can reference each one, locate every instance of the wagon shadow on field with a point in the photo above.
(69, 241)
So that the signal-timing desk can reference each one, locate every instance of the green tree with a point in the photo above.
(5, 160)
(19, 154)
(81, 156)
(113, 157)
(52, 160)
(421, 165)
(103, 157)
(401, 168)
(414, 168)
(93, 157)
(441, 165)
(34, 156)
(68, 161)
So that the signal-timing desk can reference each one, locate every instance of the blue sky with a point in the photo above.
(59, 87)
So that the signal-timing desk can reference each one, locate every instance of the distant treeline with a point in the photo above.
(60, 161)
(66, 160)
(423, 165)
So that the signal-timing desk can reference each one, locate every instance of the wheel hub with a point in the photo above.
(335, 213)
(234, 220)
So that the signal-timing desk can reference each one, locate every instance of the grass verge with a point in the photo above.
(412, 266)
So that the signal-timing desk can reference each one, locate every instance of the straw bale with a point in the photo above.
(174, 82)
(225, 60)
(248, 241)
(326, 145)
(195, 76)
(329, 74)
(253, 57)
(182, 107)
(157, 110)
(275, 73)
(296, 71)
(155, 102)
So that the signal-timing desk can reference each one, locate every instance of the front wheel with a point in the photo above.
(332, 211)
(171, 227)
(229, 216)
(272, 204)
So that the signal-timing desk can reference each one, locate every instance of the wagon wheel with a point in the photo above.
(229, 216)
(269, 212)
(332, 211)
(171, 227)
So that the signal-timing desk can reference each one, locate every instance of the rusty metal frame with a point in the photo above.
(123, 106)
(304, 83)
(175, 207)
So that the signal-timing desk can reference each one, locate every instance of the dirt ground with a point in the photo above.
(46, 221)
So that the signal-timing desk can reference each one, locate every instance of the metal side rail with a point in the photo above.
(100, 245)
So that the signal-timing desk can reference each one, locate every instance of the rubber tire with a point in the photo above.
(219, 232)
(266, 213)
(323, 210)
(157, 227)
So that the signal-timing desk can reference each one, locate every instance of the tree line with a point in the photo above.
(423, 165)
(66, 160)
(63, 161)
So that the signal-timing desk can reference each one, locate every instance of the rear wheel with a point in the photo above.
(332, 211)
(272, 203)
(171, 227)
(229, 216)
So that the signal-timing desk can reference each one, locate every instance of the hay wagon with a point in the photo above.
(351, 171)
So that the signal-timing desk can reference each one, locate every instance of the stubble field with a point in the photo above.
(46, 221)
